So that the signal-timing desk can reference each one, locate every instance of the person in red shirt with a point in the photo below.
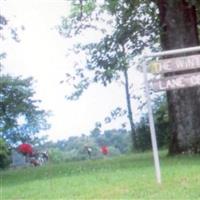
(104, 150)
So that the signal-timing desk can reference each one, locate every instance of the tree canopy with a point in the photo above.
(20, 115)
(135, 26)
(110, 57)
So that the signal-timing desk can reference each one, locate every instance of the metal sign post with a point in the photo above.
(152, 126)
(184, 80)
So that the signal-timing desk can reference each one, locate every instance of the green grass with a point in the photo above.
(126, 177)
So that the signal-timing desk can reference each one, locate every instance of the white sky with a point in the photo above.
(41, 54)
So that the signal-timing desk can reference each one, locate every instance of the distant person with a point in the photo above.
(39, 158)
(104, 150)
(45, 156)
(89, 151)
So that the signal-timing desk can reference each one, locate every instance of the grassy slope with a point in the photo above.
(127, 177)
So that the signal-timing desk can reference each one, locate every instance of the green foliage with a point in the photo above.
(130, 26)
(143, 135)
(106, 58)
(75, 148)
(132, 29)
(114, 151)
(56, 155)
(80, 87)
(5, 26)
(3, 21)
(4, 154)
(110, 57)
(161, 121)
(82, 16)
(111, 6)
(118, 140)
(20, 116)
(161, 124)
(82, 8)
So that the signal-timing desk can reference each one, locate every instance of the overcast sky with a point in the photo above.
(41, 53)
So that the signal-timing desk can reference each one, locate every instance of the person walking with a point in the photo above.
(104, 150)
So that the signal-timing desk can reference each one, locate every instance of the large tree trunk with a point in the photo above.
(178, 30)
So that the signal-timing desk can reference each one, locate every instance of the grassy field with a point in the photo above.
(126, 177)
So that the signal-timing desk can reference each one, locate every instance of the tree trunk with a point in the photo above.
(178, 30)
(130, 114)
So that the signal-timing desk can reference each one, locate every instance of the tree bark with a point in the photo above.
(178, 24)
(128, 101)
(130, 114)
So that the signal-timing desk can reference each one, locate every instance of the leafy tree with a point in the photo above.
(110, 58)
(20, 116)
(136, 23)
(7, 30)
(74, 148)
(161, 117)
(56, 155)
(161, 124)
(119, 139)
(3, 22)
(143, 134)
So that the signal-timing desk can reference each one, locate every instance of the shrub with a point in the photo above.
(56, 155)
(114, 151)
(4, 155)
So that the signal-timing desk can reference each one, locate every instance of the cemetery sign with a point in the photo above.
(178, 64)
(176, 73)
(175, 64)
(176, 82)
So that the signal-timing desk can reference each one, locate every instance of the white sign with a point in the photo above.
(176, 82)
(175, 64)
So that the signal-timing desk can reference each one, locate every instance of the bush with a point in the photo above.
(56, 155)
(114, 151)
(4, 155)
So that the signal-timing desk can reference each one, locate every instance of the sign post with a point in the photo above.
(152, 126)
(187, 79)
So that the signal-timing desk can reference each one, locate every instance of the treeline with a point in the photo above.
(118, 141)
(75, 148)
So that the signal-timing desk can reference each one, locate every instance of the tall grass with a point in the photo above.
(125, 177)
